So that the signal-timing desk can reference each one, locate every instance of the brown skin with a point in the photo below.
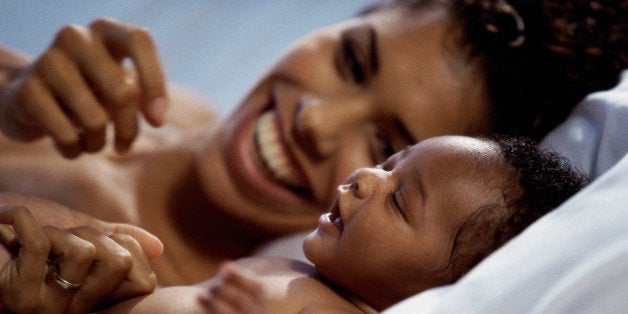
(178, 177)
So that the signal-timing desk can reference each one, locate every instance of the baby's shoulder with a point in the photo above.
(292, 286)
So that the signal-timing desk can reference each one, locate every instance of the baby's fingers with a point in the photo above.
(240, 278)
(235, 292)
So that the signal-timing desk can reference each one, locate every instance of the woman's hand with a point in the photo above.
(233, 290)
(81, 82)
(109, 268)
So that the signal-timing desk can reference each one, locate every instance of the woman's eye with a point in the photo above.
(354, 61)
(385, 147)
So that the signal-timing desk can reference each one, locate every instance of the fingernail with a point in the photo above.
(157, 108)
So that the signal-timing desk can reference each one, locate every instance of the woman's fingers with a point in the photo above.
(106, 75)
(126, 40)
(75, 98)
(83, 81)
(34, 244)
(72, 260)
(111, 265)
(40, 107)
(88, 268)
(22, 277)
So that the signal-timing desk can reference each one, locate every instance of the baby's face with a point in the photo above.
(390, 232)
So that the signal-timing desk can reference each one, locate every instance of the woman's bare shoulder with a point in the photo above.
(188, 108)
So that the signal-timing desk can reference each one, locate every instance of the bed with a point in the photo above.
(573, 260)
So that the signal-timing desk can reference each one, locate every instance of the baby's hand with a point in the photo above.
(81, 82)
(234, 291)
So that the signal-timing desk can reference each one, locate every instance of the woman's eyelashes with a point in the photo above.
(353, 60)
(386, 146)
(383, 146)
(356, 55)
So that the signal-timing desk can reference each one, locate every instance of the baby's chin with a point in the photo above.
(311, 246)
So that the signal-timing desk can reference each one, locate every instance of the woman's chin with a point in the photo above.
(269, 212)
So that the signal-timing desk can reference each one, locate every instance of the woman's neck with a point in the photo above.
(197, 236)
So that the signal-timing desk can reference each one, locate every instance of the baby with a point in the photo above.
(421, 219)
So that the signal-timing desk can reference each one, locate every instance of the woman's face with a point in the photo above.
(345, 97)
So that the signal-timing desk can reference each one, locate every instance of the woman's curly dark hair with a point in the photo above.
(540, 181)
(570, 49)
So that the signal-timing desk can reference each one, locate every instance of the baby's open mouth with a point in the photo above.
(334, 215)
(275, 158)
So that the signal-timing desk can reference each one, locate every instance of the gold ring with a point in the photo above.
(66, 284)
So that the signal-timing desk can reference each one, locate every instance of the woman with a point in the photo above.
(343, 97)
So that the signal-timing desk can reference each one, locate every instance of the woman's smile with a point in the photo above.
(260, 158)
(273, 154)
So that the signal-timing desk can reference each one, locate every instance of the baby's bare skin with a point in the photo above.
(287, 286)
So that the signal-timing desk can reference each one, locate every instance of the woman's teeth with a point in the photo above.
(271, 150)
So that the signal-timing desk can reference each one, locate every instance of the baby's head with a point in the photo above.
(430, 213)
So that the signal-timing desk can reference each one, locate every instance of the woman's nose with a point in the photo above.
(320, 124)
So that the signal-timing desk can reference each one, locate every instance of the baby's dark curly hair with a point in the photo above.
(570, 48)
(540, 180)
